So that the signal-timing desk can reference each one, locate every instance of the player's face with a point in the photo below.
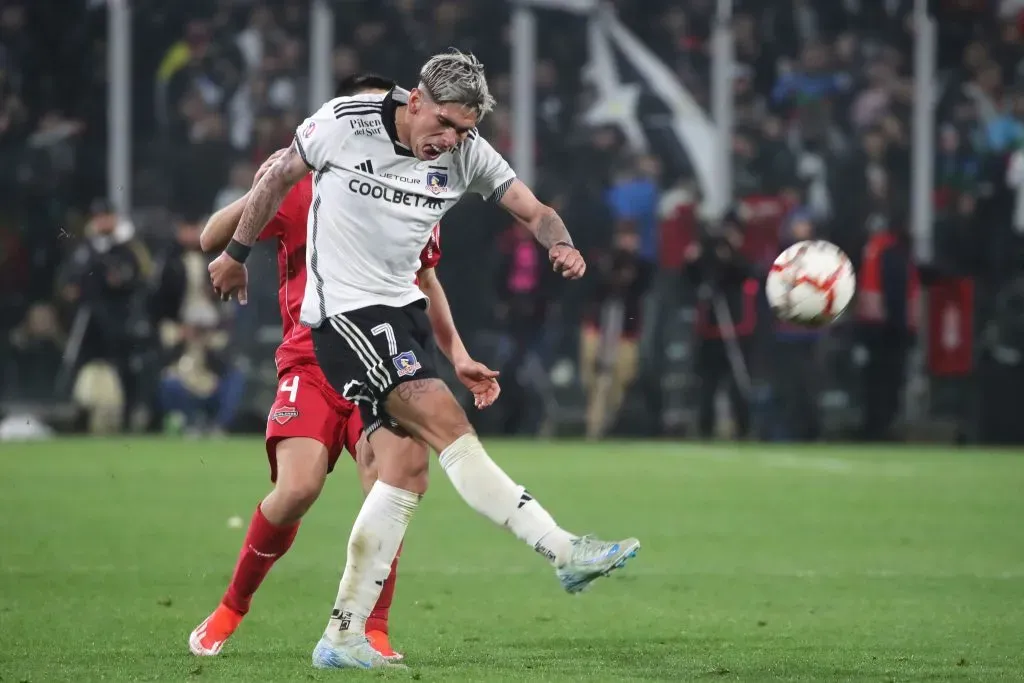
(437, 128)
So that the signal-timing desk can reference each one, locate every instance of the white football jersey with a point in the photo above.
(375, 204)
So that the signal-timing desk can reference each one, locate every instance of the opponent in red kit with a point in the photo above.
(309, 423)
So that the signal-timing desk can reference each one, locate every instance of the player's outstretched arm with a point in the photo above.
(547, 226)
(221, 225)
(477, 377)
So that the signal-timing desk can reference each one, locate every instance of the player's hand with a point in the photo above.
(480, 380)
(568, 261)
(262, 170)
(229, 277)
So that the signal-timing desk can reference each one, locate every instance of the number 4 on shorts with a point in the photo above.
(290, 386)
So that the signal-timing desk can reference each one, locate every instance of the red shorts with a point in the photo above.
(307, 406)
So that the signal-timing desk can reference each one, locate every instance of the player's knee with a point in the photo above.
(409, 476)
(403, 462)
(447, 427)
(298, 494)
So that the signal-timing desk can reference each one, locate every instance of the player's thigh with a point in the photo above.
(380, 358)
(421, 402)
(301, 468)
(303, 430)
(427, 409)
(363, 354)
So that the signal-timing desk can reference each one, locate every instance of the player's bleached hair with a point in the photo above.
(457, 77)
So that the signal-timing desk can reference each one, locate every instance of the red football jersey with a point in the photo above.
(289, 227)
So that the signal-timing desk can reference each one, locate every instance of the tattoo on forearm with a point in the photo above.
(264, 200)
(552, 230)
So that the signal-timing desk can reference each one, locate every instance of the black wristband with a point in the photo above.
(238, 251)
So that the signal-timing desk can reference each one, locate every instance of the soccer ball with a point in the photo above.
(811, 283)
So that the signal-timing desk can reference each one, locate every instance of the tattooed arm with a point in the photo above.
(227, 272)
(542, 220)
(547, 226)
(221, 225)
(267, 194)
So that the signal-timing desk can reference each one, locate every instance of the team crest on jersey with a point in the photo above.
(283, 415)
(437, 182)
(406, 364)
(310, 127)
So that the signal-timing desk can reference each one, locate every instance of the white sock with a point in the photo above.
(372, 546)
(491, 492)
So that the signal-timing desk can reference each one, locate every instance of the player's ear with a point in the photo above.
(415, 101)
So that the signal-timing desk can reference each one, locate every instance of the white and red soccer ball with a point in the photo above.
(811, 283)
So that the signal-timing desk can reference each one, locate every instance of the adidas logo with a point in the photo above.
(524, 499)
(365, 167)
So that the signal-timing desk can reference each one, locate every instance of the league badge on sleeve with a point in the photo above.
(406, 364)
(437, 181)
(310, 127)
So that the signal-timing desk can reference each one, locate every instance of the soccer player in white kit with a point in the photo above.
(386, 170)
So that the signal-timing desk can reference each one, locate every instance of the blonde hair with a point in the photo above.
(457, 77)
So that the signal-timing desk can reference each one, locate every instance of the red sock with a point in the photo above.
(378, 620)
(264, 544)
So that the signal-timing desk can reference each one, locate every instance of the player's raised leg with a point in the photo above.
(372, 549)
(301, 468)
(428, 410)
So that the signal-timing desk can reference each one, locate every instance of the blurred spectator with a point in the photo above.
(957, 171)
(888, 317)
(198, 382)
(633, 199)
(101, 286)
(238, 185)
(202, 165)
(35, 356)
(523, 279)
(611, 327)
(747, 173)
(806, 93)
(727, 317)
(183, 288)
(200, 391)
(198, 69)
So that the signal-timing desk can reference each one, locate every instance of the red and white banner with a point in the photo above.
(951, 327)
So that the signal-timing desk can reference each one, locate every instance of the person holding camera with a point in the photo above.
(726, 320)
(102, 286)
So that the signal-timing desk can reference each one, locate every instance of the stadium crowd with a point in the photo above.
(821, 148)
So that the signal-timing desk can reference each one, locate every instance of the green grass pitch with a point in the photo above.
(758, 564)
